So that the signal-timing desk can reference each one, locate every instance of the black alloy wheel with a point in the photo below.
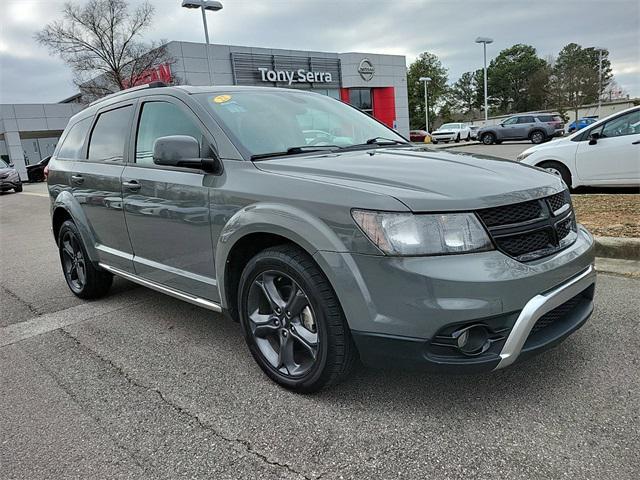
(292, 320)
(73, 261)
(83, 278)
(282, 323)
(488, 138)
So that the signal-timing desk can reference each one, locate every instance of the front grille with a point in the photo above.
(530, 230)
(516, 245)
(518, 212)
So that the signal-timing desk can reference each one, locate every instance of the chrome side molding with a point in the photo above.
(537, 307)
(201, 302)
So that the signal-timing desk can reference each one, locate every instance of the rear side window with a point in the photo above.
(525, 119)
(71, 148)
(109, 135)
(161, 119)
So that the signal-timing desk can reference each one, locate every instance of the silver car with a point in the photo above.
(536, 127)
(327, 235)
(9, 177)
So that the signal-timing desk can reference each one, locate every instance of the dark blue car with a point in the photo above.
(582, 122)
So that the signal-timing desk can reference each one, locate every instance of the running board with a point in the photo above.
(201, 302)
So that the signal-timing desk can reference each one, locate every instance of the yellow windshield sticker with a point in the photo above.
(222, 98)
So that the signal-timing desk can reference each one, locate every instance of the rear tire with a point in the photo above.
(557, 169)
(18, 188)
(537, 137)
(468, 139)
(315, 324)
(488, 138)
(83, 278)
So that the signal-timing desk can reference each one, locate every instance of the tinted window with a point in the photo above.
(3, 164)
(109, 135)
(511, 121)
(71, 147)
(627, 124)
(161, 119)
(525, 119)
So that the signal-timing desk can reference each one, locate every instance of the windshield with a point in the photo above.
(3, 164)
(449, 125)
(271, 121)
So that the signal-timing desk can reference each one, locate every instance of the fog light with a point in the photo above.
(472, 340)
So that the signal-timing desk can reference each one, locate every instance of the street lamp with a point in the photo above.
(426, 80)
(212, 5)
(484, 41)
(599, 50)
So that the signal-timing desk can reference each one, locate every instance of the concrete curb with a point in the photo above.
(618, 247)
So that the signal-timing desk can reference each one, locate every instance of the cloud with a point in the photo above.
(446, 28)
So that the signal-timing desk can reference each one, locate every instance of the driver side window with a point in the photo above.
(161, 119)
(628, 124)
(510, 121)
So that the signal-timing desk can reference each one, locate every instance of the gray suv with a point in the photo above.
(537, 127)
(326, 234)
(9, 177)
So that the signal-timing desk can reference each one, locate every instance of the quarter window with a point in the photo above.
(161, 119)
(71, 148)
(109, 135)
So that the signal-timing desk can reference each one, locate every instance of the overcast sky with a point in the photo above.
(447, 28)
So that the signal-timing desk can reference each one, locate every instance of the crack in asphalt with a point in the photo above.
(183, 411)
(30, 307)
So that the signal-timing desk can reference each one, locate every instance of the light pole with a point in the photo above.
(484, 41)
(599, 50)
(426, 80)
(212, 5)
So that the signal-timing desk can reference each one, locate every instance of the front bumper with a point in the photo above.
(6, 184)
(398, 308)
(444, 137)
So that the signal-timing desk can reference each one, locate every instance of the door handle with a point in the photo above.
(77, 179)
(132, 185)
(637, 142)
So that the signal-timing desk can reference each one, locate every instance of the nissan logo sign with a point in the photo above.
(366, 69)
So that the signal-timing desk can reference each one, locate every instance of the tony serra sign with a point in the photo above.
(294, 76)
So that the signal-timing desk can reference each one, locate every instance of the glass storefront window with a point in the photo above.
(361, 98)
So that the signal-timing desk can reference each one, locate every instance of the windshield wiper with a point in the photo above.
(375, 141)
(295, 151)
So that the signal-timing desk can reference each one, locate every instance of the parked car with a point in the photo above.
(35, 172)
(421, 136)
(451, 132)
(605, 154)
(581, 123)
(352, 243)
(536, 127)
(473, 129)
(9, 177)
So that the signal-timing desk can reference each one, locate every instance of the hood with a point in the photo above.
(423, 179)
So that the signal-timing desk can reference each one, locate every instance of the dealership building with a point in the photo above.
(377, 84)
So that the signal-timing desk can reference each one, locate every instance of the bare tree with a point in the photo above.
(101, 42)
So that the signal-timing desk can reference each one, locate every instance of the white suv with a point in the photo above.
(451, 131)
(605, 154)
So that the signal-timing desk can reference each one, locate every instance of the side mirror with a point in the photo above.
(183, 151)
(593, 138)
(11, 165)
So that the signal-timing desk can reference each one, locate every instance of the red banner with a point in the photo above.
(160, 73)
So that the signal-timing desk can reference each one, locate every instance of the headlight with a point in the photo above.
(523, 155)
(436, 234)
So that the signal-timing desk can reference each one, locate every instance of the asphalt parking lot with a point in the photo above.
(140, 385)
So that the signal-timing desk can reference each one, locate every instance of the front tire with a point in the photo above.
(458, 139)
(559, 170)
(18, 188)
(83, 278)
(292, 320)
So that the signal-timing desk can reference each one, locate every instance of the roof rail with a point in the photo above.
(156, 84)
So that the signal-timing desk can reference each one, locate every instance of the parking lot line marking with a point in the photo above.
(35, 194)
(52, 321)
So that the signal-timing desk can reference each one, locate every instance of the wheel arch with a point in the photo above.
(562, 164)
(66, 207)
(260, 226)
